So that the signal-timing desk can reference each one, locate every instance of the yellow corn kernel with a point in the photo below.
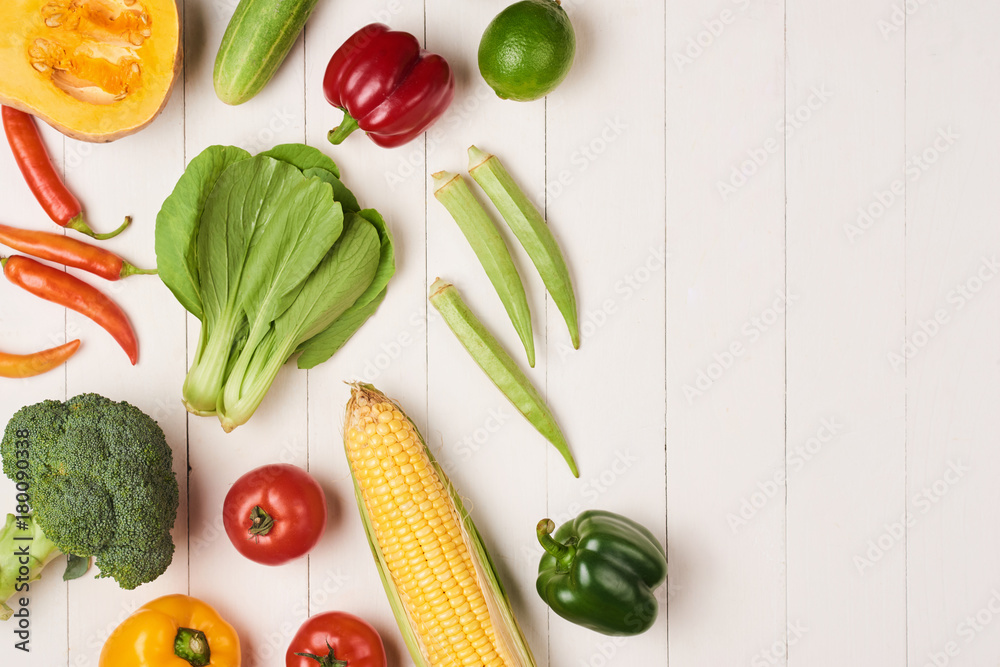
(417, 529)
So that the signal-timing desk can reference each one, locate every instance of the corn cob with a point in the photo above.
(443, 589)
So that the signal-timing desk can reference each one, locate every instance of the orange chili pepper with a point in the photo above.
(66, 290)
(69, 251)
(28, 365)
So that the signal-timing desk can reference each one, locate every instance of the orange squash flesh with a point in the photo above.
(96, 70)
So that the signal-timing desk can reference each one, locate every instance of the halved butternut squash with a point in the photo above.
(96, 70)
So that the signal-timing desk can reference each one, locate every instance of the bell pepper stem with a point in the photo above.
(261, 523)
(80, 225)
(192, 645)
(328, 660)
(563, 553)
(341, 132)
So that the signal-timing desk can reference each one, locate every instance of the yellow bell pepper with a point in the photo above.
(173, 631)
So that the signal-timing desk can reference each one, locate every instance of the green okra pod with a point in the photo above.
(484, 237)
(498, 365)
(531, 231)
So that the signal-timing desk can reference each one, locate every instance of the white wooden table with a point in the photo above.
(781, 218)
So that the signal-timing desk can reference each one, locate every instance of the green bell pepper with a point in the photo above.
(600, 571)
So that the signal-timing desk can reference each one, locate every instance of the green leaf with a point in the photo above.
(304, 157)
(321, 347)
(255, 248)
(242, 201)
(340, 191)
(336, 283)
(228, 224)
(264, 228)
(178, 222)
(76, 567)
(298, 227)
(325, 344)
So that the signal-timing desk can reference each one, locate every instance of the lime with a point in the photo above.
(527, 50)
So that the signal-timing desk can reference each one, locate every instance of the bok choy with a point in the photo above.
(275, 257)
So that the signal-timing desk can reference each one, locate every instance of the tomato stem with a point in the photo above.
(328, 660)
(261, 523)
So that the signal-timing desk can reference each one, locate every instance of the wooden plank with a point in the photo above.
(726, 297)
(603, 192)
(950, 354)
(845, 407)
(27, 325)
(264, 615)
(494, 457)
(115, 179)
(389, 351)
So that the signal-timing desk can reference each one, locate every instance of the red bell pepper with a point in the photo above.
(387, 85)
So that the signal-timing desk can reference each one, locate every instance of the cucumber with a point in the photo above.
(256, 42)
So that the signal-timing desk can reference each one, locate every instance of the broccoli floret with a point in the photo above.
(99, 482)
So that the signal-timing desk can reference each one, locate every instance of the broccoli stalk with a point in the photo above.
(97, 477)
(24, 552)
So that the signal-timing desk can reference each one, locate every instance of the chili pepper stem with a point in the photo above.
(341, 132)
(192, 646)
(80, 225)
(563, 553)
(328, 660)
(133, 270)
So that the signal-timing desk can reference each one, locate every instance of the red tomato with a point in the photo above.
(336, 639)
(274, 514)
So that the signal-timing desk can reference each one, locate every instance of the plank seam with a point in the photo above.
(784, 177)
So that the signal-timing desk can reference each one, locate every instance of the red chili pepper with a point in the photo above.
(69, 251)
(61, 288)
(36, 167)
(28, 365)
(387, 85)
